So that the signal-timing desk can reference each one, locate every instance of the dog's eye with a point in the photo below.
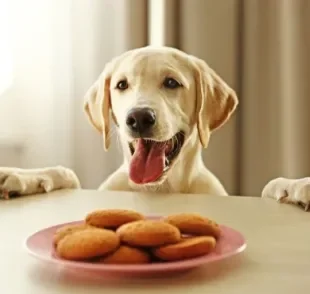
(171, 83)
(122, 85)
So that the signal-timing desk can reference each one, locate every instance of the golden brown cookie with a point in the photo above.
(148, 233)
(87, 244)
(112, 218)
(194, 224)
(187, 248)
(68, 229)
(127, 255)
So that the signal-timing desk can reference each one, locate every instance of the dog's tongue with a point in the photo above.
(148, 162)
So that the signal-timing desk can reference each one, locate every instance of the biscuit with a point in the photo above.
(112, 218)
(148, 233)
(68, 229)
(127, 255)
(187, 248)
(194, 224)
(87, 244)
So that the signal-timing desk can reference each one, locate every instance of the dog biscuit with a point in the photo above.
(112, 218)
(68, 229)
(187, 248)
(149, 233)
(87, 244)
(127, 255)
(194, 224)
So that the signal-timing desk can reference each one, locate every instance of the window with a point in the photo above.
(6, 73)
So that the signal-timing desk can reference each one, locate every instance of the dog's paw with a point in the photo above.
(10, 185)
(17, 182)
(301, 193)
(294, 191)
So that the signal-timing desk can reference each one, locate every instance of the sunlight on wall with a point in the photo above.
(156, 22)
(5, 56)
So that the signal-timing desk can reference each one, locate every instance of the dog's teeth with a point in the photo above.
(166, 162)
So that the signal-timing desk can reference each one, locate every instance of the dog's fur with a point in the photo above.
(202, 105)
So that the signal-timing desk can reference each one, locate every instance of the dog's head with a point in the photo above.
(160, 98)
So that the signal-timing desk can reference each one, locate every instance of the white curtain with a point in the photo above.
(58, 49)
(37, 113)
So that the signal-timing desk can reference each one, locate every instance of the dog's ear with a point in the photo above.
(215, 100)
(97, 105)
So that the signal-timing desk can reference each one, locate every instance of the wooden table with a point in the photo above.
(277, 259)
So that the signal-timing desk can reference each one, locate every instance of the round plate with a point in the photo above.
(40, 245)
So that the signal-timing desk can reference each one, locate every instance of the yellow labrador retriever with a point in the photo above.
(165, 104)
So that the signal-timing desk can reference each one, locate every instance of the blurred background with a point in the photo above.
(51, 51)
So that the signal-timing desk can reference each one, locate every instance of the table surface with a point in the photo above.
(277, 258)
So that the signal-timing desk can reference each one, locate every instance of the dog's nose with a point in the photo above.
(141, 120)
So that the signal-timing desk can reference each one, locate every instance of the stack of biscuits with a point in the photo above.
(117, 236)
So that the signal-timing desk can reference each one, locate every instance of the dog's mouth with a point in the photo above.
(152, 159)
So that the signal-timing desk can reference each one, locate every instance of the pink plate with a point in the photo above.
(40, 246)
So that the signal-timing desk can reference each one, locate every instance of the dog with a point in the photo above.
(165, 104)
